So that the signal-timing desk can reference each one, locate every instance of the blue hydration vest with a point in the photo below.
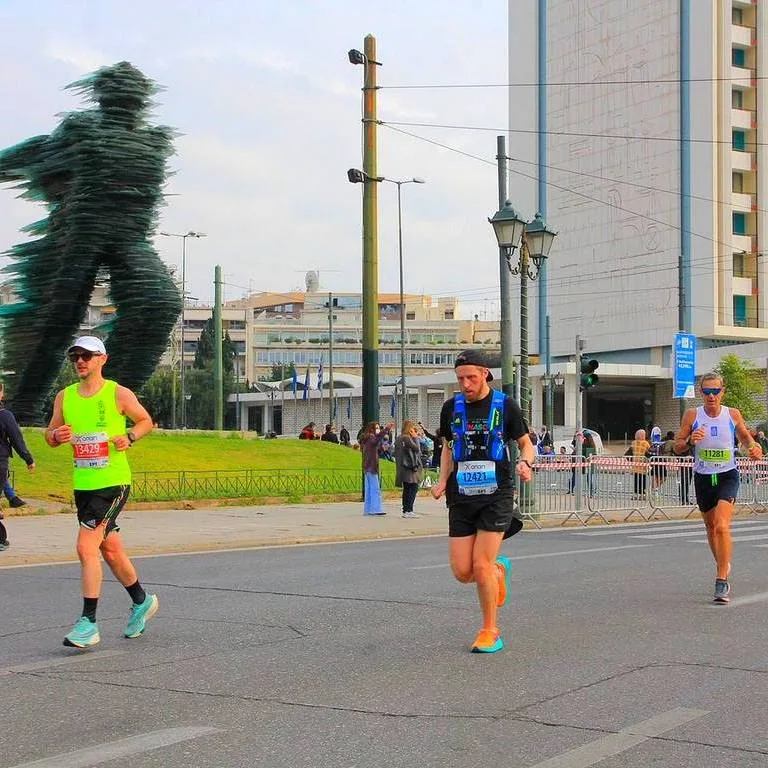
(495, 450)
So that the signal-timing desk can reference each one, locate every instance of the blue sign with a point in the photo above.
(685, 365)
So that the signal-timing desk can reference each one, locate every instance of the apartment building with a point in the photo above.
(646, 121)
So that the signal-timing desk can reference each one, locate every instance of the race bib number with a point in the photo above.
(91, 450)
(476, 478)
(715, 455)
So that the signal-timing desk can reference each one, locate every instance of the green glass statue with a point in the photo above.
(100, 174)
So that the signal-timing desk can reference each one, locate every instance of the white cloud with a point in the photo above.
(80, 57)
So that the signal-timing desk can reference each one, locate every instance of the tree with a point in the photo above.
(205, 349)
(744, 386)
(278, 373)
(157, 396)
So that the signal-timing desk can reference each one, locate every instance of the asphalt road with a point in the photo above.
(357, 655)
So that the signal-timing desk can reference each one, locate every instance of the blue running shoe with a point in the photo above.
(505, 579)
(140, 615)
(84, 634)
(722, 591)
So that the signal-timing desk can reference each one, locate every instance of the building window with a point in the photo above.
(410, 315)
(737, 182)
(739, 57)
(739, 223)
(739, 139)
(740, 310)
(737, 16)
(448, 314)
(737, 99)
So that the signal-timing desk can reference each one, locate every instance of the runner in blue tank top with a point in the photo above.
(712, 430)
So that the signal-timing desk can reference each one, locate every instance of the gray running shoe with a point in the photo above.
(410, 516)
(722, 591)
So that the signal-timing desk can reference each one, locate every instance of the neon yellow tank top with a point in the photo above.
(95, 420)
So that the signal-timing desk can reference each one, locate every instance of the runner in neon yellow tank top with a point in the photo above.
(711, 430)
(90, 418)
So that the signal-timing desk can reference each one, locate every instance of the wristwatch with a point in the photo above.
(131, 437)
(525, 461)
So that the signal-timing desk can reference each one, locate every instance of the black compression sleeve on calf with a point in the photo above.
(89, 608)
(137, 593)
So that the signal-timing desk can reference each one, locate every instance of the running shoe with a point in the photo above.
(722, 591)
(4, 545)
(504, 565)
(84, 634)
(410, 516)
(487, 641)
(140, 615)
(16, 502)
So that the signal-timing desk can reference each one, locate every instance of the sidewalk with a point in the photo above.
(51, 538)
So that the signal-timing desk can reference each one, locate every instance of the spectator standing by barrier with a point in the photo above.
(370, 445)
(11, 440)
(638, 452)
(408, 466)
(711, 429)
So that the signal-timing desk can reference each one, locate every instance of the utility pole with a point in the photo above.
(218, 376)
(505, 282)
(370, 238)
(331, 393)
(578, 444)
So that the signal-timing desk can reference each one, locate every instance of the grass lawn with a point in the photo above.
(174, 452)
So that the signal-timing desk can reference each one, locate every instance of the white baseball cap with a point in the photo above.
(90, 344)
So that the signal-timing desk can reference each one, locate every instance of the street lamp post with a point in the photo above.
(534, 242)
(356, 176)
(183, 238)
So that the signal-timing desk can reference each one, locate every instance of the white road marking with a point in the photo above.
(133, 745)
(693, 533)
(597, 751)
(760, 597)
(545, 554)
(650, 528)
(61, 661)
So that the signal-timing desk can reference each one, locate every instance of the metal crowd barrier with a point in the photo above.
(573, 487)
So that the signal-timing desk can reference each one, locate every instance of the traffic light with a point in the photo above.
(588, 377)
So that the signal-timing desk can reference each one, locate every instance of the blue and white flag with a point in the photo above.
(392, 406)
(305, 396)
(320, 375)
(349, 407)
(335, 404)
(295, 382)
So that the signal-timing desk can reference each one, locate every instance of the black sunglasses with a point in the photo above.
(84, 356)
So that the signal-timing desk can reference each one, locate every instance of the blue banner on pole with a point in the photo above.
(685, 365)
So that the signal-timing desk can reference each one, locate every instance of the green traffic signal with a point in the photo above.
(588, 376)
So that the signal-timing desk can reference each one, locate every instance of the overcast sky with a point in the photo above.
(269, 111)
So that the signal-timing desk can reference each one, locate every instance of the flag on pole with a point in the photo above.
(320, 375)
(305, 396)
(335, 405)
(349, 407)
(392, 406)
(294, 383)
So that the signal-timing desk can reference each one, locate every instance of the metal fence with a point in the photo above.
(247, 483)
(570, 487)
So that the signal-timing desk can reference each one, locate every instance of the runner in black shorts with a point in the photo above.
(102, 505)
(475, 476)
(712, 430)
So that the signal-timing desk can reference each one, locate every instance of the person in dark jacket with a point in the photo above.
(329, 436)
(437, 446)
(344, 436)
(11, 440)
(408, 466)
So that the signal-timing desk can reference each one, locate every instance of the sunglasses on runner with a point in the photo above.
(84, 356)
(711, 390)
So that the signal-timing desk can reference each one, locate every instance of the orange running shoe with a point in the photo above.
(504, 565)
(487, 641)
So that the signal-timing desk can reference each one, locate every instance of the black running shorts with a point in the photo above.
(725, 487)
(102, 505)
(496, 514)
